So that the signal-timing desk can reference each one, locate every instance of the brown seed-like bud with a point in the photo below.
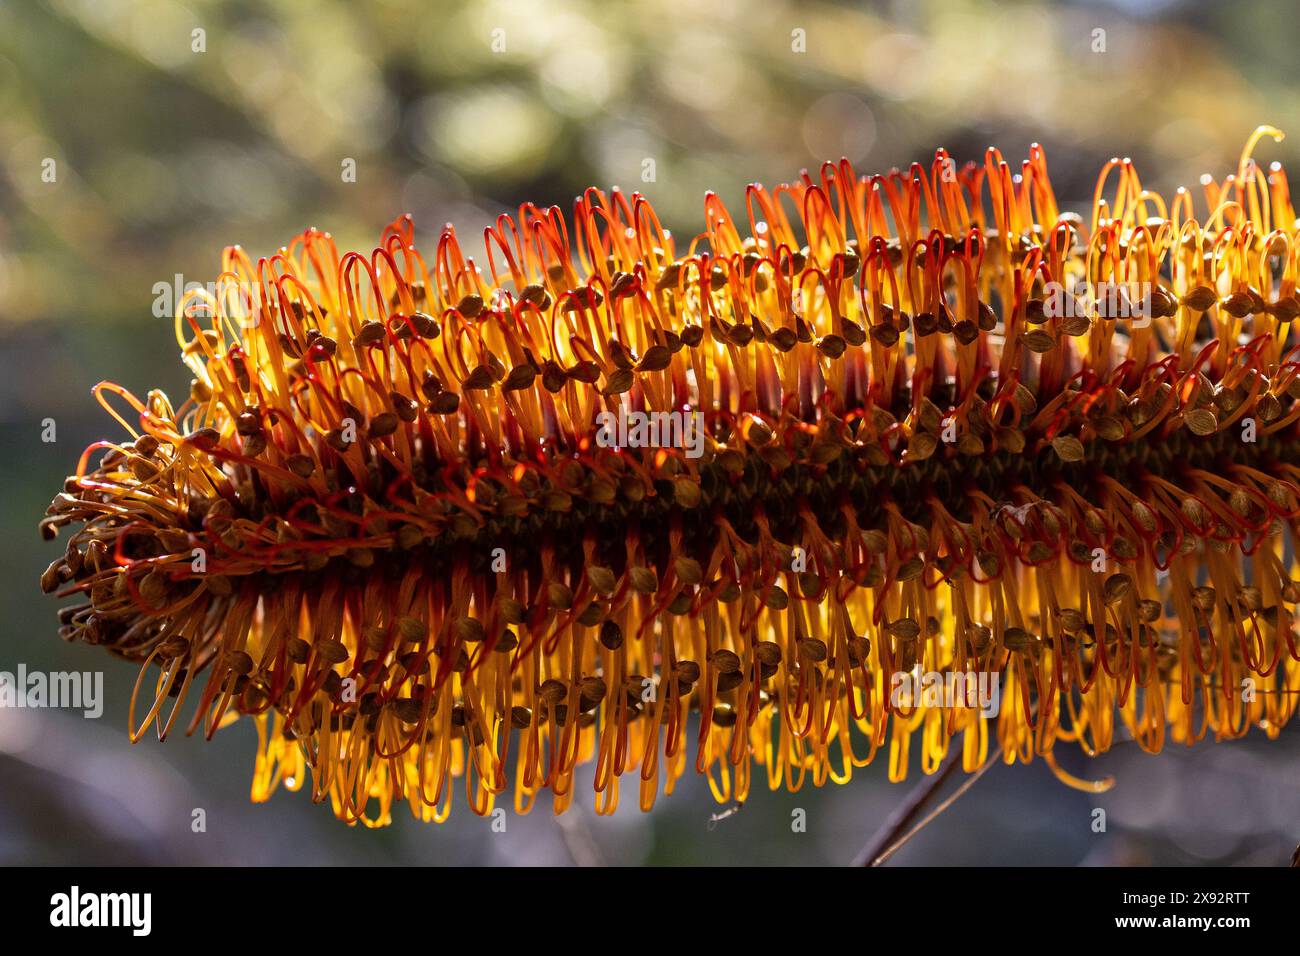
(470, 306)
(478, 379)
(1117, 586)
(559, 595)
(1200, 298)
(905, 629)
(469, 630)
(602, 579)
(688, 671)
(383, 424)
(776, 598)
(686, 491)
(688, 570)
(1071, 620)
(1018, 639)
(553, 691)
(593, 690)
(1038, 340)
(520, 377)
(332, 652)
(370, 334)
(412, 630)
(593, 615)
(921, 446)
(725, 661)
(812, 649)
(1200, 421)
(1195, 512)
(1012, 439)
(1109, 427)
(1150, 611)
(1068, 448)
(611, 635)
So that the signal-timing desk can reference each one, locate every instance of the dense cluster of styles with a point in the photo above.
(382, 529)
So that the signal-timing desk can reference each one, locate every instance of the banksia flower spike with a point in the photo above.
(947, 429)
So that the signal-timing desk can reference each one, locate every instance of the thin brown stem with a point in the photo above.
(891, 848)
(906, 813)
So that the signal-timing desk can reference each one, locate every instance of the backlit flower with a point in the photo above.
(949, 429)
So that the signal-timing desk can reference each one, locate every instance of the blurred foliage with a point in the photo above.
(457, 111)
(460, 110)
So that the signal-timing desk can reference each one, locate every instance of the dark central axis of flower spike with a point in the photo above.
(384, 526)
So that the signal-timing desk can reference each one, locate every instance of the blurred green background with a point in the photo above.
(458, 111)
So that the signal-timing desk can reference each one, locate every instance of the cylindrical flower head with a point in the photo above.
(920, 463)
